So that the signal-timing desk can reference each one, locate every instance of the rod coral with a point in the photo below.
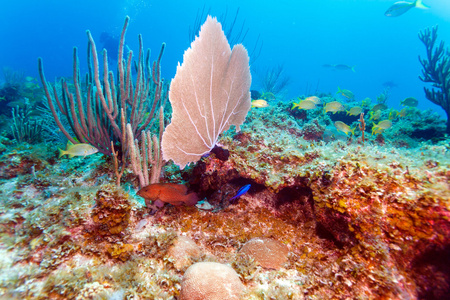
(94, 116)
(149, 156)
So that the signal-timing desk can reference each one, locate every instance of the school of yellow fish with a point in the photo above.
(375, 112)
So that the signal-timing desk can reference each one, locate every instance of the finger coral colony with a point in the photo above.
(317, 212)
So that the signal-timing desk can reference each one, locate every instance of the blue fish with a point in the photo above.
(241, 191)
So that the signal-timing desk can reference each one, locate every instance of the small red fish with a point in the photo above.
(172, 193)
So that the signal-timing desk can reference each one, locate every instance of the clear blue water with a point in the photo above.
(301, 35)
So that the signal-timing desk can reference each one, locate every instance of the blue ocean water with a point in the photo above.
(300, 35)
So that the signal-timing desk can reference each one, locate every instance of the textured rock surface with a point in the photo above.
(269, 253)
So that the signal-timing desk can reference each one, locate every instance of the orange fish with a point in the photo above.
(173, 193)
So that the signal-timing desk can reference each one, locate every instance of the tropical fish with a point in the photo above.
(268, 96)
(78, 150)
(346, 93)
(381, 126)
(385, 124)
(393, 113)
(173, 193)
(382, 98)
(341, 126)
(410, 101)
(31, 85)
(400, 7)
(366, 102)
(314, 99)
(379, 106)
(340, 67)
(377, 130)
(374, 115)
(334, 107)
(404, 112)
(204, 205)
(354, 111)
(304, 104)
(259, 103)
(241, 191)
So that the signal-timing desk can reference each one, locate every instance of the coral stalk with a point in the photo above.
(149, 156)
(362, 126)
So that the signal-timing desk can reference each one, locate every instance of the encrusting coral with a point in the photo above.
(111, 214)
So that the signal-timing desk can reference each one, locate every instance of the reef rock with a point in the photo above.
(269, 253)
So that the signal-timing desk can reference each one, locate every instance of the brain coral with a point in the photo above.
(210, 281)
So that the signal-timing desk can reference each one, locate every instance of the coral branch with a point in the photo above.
(436, 70)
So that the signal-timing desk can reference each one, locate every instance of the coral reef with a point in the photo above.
(351, 220)
(327, 214)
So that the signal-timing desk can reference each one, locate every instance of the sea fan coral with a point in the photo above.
(210, 92)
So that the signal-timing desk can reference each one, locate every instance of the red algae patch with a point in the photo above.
(212, 281)
(269, 253)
